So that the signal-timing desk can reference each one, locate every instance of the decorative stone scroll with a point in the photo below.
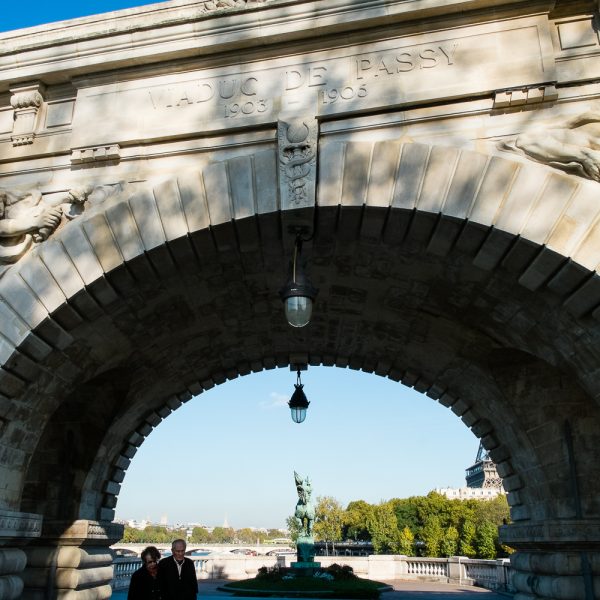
(26, 101)
(572, 146)
(297, 162)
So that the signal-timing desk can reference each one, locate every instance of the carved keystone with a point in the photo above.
(297, 152)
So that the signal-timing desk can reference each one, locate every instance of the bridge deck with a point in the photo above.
(403, 590)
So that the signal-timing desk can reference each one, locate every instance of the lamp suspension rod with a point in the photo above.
(297, 250)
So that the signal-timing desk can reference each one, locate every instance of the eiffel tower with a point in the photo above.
(483, 473)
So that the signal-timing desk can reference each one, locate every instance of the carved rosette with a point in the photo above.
(298, 162)
(26, 101)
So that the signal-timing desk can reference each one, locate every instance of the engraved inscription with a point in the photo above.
(335, 81)
(203, 91)
(405, 71)
(348, 92)
(312, 77)
(245, 108)
(382, 65)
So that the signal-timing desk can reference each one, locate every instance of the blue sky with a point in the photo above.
(231, 452)
(14, 15)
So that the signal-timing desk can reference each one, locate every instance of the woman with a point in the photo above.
(144, 584)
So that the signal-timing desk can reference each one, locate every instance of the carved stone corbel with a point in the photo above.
(26, 101)
(527, 95)
(95, 154)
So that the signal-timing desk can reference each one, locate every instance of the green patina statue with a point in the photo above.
(305, 516)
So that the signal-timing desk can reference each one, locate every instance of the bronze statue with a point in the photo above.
(305, 510)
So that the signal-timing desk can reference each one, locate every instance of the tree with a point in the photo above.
(329, 518)
(383, 528)
(222, 535)
(246, 536)
(356, 517)
(406, 511)
(200, 535)
(486, 539)
(293, 528)
(273, 533)
(131, 535)
(449, 545)
(432, 535)
(467, 536)
(406, 542)
(153, 534)
(494, 511)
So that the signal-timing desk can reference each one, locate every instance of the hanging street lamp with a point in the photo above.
(298, 402)
(298, 294)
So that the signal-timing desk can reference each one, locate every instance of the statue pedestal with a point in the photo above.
(305, 569)
(305, 566)
(305, 546)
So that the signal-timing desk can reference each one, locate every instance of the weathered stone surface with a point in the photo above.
(455, 247)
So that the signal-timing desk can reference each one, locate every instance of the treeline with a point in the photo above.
(431, 525)
(200, 535)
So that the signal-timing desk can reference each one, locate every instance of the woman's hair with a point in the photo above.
(151, 551)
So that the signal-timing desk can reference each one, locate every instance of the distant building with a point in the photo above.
(141, 525)
(483, 481)
(483, 474)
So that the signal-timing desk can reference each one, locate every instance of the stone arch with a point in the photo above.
(518, 237)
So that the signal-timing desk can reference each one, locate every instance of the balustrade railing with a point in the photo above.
(490, 574)
(123, 569)
(427, 567)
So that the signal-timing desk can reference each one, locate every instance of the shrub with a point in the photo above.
(340, 571)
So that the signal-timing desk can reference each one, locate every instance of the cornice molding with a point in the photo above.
(167, 31)
(19, 525)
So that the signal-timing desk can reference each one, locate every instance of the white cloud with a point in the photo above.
(275, 401)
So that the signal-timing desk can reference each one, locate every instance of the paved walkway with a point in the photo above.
(403, 590)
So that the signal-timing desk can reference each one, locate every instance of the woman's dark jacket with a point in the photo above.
(143, 586)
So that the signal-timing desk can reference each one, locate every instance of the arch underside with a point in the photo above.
(468, 277)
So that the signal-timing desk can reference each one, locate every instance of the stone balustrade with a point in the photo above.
(491, 574)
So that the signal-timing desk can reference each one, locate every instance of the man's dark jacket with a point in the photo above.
(143, 586)
(172, 586)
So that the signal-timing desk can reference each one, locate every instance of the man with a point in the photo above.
(177, 575)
